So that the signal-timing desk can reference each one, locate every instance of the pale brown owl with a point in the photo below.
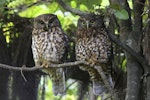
(94, 46)
(49, 45)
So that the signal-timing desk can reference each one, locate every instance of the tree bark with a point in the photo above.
(4, 77)
(146, 48)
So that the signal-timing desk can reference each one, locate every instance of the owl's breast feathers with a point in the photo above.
(49, 45)
(95, 48)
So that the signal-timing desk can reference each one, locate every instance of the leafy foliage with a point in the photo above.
(84, 5)
(36, 10)
(119, 12)
(122, 14)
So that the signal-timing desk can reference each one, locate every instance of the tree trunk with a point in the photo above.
(4, 58)
(146, 48)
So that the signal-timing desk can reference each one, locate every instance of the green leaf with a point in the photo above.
(73, 4)
(83, 7)
(105, 3)
(121, 14)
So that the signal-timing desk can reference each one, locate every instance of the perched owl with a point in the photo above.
(49, 45)
(94, 47)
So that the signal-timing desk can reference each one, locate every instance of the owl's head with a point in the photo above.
(90, 21)
(46, 22)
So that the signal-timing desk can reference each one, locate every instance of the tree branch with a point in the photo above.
(68, 8)
(139, 58)
(23, 68)
(4, 66)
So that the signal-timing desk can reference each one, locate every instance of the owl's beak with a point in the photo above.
(46, 28)
(87, 24)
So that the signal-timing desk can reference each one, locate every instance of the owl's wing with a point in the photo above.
(66, 40)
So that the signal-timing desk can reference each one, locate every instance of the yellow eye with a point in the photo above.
(83, 23)
(40, 22)
(92, 22)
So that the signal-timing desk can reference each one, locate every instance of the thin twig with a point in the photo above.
(68, 8)
(23, 74)
(19, 68)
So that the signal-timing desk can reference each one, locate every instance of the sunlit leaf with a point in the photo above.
(73, 4)
(15, 3)
(124, 64)
(104, 3)
(88, 4)
(130, 4)
(121, 14)
(83, 7)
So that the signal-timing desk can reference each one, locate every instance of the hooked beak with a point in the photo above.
(46, 27)
(87, 24)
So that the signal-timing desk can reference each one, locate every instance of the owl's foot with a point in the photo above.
(45, 65)
(91, 61)
(99, 88)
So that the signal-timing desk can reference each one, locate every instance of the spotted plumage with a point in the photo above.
(93, 46)
(49, 45)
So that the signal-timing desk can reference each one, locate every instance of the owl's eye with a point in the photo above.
(92, 22)
(41, 22)
(51, 21)
(83, 23)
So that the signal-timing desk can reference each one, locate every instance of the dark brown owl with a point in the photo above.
(93, 46)
(49, 45)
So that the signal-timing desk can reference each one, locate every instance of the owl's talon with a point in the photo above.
(45, 65)
(91, 62)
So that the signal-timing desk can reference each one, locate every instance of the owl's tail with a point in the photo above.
(58, 83)
(98, 88)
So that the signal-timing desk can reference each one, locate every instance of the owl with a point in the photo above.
(94, 47)
(49, 46)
